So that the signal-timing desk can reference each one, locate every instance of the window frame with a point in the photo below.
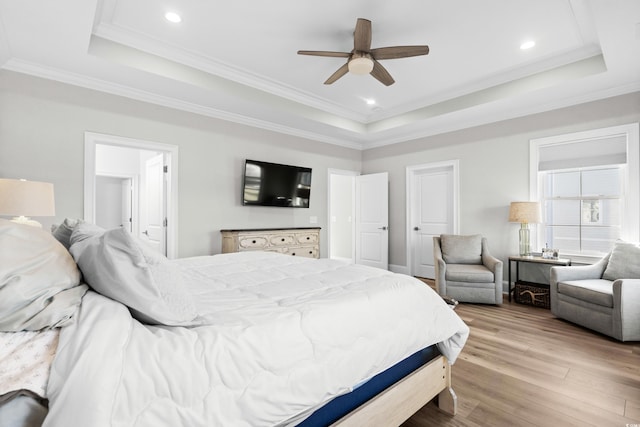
(630, 227)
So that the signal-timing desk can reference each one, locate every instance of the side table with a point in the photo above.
(536, 260)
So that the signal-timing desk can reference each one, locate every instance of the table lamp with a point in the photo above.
(525, 213)
(21, 199)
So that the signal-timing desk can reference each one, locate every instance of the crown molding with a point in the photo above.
(63, 76)
(151, 45)
(541, 66)
(368, 141)
(473, 120)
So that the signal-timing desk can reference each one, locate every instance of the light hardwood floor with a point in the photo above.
(523, 367)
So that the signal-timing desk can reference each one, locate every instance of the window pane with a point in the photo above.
(598, 240)
(591, 212)
(610, 212)
(602, 182)
(565, 184)
(565, 239)
(563, 212)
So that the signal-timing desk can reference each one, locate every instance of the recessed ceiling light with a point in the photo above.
(527, 45)
(370, 101)
(172, 17)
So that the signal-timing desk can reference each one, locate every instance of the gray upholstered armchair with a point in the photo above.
(604, 296)
(465, 270)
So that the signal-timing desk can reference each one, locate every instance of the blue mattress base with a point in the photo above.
(342, 405)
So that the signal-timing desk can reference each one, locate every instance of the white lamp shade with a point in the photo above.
(525, 212)
(26, 198)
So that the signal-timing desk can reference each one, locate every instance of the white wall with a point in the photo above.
(494, 167)
(42, 125)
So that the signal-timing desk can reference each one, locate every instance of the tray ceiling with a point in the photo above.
(237, 60)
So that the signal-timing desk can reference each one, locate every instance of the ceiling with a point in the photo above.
(237, 60)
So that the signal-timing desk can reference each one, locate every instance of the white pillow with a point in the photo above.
(122, 268)
(39, 282)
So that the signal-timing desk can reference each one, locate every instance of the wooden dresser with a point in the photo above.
(302, 241)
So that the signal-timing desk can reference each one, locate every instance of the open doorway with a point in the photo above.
(133, 184)
(359, 217)
(341, 214)
(115, 197)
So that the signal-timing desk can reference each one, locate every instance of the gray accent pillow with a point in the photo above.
(39, 282)
(64, 231)
(121, 267)
(624, 262)
(461, 249)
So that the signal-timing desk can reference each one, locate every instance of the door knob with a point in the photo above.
(416, 228)
(382, 228)
(145, 232)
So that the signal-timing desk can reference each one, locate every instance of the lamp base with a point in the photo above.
(26, 221)
(525, 245)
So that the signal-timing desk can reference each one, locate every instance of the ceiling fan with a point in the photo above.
(363, 59)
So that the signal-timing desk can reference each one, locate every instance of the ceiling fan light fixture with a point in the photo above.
(360, 65)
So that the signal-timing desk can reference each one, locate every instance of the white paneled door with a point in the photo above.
(372, 220)
(154, 231)
(432, 212)
(127, 204)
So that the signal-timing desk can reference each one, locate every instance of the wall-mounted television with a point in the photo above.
(272, 184)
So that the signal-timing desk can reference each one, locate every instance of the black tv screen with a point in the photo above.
(272, 184)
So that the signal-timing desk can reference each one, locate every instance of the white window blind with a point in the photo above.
(582, 154)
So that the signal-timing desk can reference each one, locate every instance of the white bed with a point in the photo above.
(246, 339)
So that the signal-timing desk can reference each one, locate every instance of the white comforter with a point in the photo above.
(284, 336)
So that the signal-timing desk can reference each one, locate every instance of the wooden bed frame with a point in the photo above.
(396, 404)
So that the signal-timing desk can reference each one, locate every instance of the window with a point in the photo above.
(582, 209)
(588, 186)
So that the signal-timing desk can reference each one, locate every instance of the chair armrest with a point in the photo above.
(489, 261)
(492, 263)
(581, 272)
(440, 267)
(495, 265)
(626, 296)
(564, 274)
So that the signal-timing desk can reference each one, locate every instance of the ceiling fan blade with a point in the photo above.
(324, 53)
(381, 74)
(399, 52)
(339, 73)
(362, 35)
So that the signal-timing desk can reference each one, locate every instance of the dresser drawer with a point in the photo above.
(307, 252)
(282, 240)
(307, 238)
(253, 242)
